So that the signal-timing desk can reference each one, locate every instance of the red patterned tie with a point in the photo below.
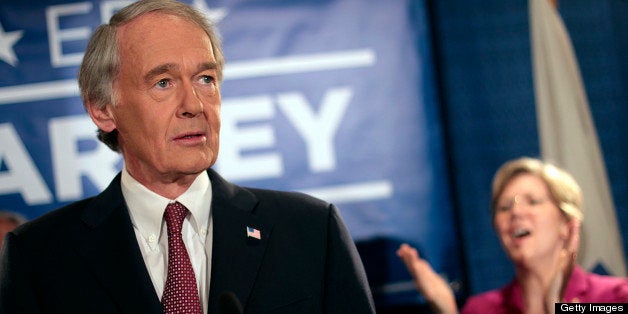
(180, 293)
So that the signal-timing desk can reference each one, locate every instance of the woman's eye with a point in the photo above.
(536, 201)
(503, 208)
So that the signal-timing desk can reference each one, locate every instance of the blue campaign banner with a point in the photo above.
(333, 98)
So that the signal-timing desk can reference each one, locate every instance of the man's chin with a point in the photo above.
(198, 167)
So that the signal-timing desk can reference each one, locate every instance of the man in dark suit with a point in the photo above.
(169, 234)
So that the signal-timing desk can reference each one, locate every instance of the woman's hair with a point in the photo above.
(563, 188)
(101, 62)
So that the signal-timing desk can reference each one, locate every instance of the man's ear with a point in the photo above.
(102, 117)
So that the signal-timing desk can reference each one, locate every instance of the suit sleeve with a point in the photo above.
(346, 286)
(16, 296)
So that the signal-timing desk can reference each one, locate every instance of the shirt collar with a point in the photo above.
(146, 207)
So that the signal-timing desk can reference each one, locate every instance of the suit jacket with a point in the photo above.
(582, 287)
(84, 257)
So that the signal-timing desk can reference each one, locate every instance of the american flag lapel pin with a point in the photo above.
(253, 233)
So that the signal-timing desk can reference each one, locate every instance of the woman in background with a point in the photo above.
(536, 211)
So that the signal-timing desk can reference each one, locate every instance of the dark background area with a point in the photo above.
(484, 74)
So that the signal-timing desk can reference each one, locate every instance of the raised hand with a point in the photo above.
(432, 286)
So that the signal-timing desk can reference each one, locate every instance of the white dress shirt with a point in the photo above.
(147, 208)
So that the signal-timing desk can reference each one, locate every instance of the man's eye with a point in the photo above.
(206, 79)
(163, 83)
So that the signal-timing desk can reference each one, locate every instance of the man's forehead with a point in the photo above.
(163, 35)
(157, 23)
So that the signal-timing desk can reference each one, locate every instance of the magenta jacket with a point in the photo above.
(583, 287)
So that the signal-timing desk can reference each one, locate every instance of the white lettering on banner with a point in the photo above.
(57, 36)
(335, 60)
(254, 135)
(246, 152)
(246, 126)
(351, 192)
(318, 130)
(249, 150)
(70, 165)
(21, 175)
(244, 130)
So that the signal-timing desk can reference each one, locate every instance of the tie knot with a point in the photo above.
(174, 216)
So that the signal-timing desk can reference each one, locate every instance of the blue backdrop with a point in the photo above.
(487, 97)
(333, 98)
(397, 111)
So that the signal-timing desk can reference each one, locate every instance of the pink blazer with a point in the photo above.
(583, 287)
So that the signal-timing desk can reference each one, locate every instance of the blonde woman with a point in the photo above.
(536, 211)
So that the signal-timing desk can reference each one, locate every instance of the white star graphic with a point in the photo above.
(7, 40)
(214, 15)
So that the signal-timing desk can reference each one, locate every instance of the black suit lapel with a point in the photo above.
(111, 249)
(236, 258)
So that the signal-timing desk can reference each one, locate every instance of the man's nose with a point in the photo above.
(191, 104)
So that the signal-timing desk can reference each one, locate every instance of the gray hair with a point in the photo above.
(101, 62)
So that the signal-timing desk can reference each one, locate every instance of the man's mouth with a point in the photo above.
(189, 136)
